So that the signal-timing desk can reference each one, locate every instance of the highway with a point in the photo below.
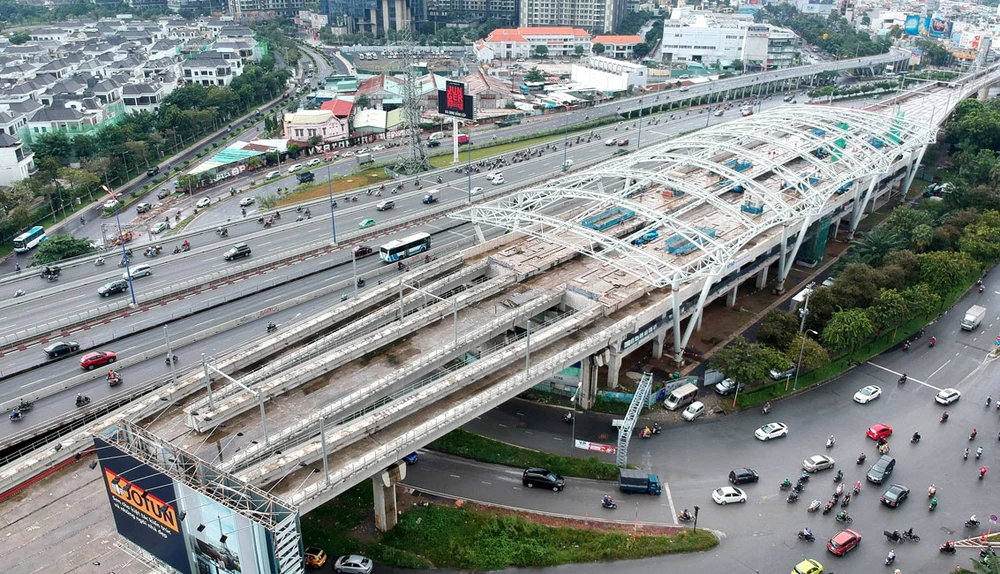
(76, 291)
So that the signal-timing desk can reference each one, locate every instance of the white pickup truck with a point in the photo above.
(973, 317)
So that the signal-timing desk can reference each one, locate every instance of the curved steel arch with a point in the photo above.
(786, 128)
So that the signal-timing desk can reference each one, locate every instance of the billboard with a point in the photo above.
(143, 505)
(453, 101)
(916, 25)
(939, 28)
(915, 56)
(179, 525)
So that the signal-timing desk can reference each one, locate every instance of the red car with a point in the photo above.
(96, 359)
(843, 542)
(879, 430)
(360, 250)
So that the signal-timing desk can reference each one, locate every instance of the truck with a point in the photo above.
(364, 158)
(973, 317)
(630, 480)
(463, 139)
(509, 121)
(431, 196)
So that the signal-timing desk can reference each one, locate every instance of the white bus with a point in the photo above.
(29, 239)
(405, 247)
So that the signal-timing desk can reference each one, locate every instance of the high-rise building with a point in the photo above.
(376, 17)
(469, 10)
(595, 16)
(242, 7)
(709, 37)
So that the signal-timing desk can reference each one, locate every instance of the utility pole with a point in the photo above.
(416, 160)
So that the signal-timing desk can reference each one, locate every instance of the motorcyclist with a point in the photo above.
(973, 435)
(112, 375)
(607, 500)
(902, 378)
(647, 432)
(271, 326)
(186, 244)
(944, 416)
(840, 475)
(890, 557)
(831, 441)
(15, 414)
(79, 400)
(861, 458)
(948, 546)
(767, 407)
(787, 483)
(931, 490)
(933, 502)
(842, 515)
(973, 520)
(979, 452)
(915, 437)
(19, 293)
(686, 515)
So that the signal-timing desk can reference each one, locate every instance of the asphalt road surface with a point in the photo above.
(760, 536)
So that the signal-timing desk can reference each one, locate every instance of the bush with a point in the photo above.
(186, 162)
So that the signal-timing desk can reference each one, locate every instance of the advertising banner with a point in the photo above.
(453, 101)
(939, 28)
(143, 503)
(222, 541)
(915, 56)
(914, 25)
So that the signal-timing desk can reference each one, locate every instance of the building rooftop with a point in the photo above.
(617, 40)
(520, 34)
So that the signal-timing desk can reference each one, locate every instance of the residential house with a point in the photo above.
(143, 97)
(15, 163)
(491, 94)
(619, 47)
(208, 71)
(300, 127)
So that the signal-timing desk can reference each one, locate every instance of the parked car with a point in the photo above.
(163, 194)
(726, 387)
(353, 564)
(60, 348)
(315, 557)
(693, 411)
(778, 374)
(91, 361)
(532, 477)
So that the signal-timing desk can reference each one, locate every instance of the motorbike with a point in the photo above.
(915, 438)
(82, 401)
(933, 504)
(931, 491)
(857, 487)
(807, 536)
(830, 442)
(656, 428)
(792, 497)
(114, 380)
(838, 477)
(122, 262)
(979, 452)
(568, 418)
(814, 505)
(800, 486)
(944, 417)
(890, 558)
(612, 505)
(909, 535)
(16, 416)
(947, 548)
(982, 472)
(840, 490)
(171, 358)
(804, 477)
(829, 507)
(971, 523)
(847, 500)
(271, 327)
(861, 458)
(901, 380)
(19, 293)
(361, 282)
(785, 486)
(185, 246)
(684, 517)
(893, 536)
(176, 250)
(933, 342)
(844, 519)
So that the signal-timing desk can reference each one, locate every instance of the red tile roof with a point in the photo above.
(519, 34)
(340, 108)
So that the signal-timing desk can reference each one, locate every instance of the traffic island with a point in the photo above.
(435, 532)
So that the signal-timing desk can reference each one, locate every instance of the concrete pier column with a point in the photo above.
(984, 93)
(588, 383)
(731, 297)
(761, 278)
(384, 487)
(614, 366)
(658, 340)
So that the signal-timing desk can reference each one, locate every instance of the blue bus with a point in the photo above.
(29, 239)
(405, 247)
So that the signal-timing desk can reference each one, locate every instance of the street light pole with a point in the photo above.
(638, 138)
(802, 349)
(333, 224)
(566, 142)
(121, 239)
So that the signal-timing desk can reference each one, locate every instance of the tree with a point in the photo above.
(889, 311)
(188, 181)
(778, 329)
(59, 247)
(943, 271)
(748, 362)
(905, 260)
(866, 20)
(871, 247)
(854, 286)
(315, 141)
(534, 75)
(921, 301)
(541, 51)
(84, 146)
(293, 150)
(81, 181)
(736, 65)
(54, 144)
(922, 236)
(19, 37)
(814, 355)
(982, 239)
(640, 51)
(256, 162)
(579, 51)
(988, 565)
(363, 101)
(598, 48)
(846, 330)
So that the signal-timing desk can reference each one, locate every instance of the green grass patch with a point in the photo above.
(481, 540)
(474, 538)
(468, 445)
(478, 154)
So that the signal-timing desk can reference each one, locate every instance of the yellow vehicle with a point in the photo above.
(315, 557)
(808, 566)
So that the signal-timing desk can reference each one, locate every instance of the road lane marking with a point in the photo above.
(670, 501)
(908, 378)
(939, 369)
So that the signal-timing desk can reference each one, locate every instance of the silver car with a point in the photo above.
(353, 564)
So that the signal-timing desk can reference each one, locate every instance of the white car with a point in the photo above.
(694, 410)
(353, 564)
(728, 494)
(499, 180)
(159, 228)
(718, 113)
(313, 162)
(295, 168)
(111, 204)
(492, 174)
(141, 270)
(378, 148)
(203, 202)
(947, 396)
(347, 154)
(247, 201)
(477, 190)
(868, 394)
(273, 174)
(817, 462)
(771, 430)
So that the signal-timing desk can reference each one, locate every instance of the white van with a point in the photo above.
(437, 136)
(680, 397)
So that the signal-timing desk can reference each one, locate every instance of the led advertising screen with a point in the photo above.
(453, 101)
(939, 28)
(143, 503)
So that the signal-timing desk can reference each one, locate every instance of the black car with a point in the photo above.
(896, 494)
(881, 469)
(305, 176)
(743, 475)
(238, 250)
(119, 286)
(61, 348)
(533, 477)
(163, 193)
(153, 171)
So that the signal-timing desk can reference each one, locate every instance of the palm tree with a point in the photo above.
(871, 247)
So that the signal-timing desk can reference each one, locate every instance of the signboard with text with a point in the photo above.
(454, 101)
